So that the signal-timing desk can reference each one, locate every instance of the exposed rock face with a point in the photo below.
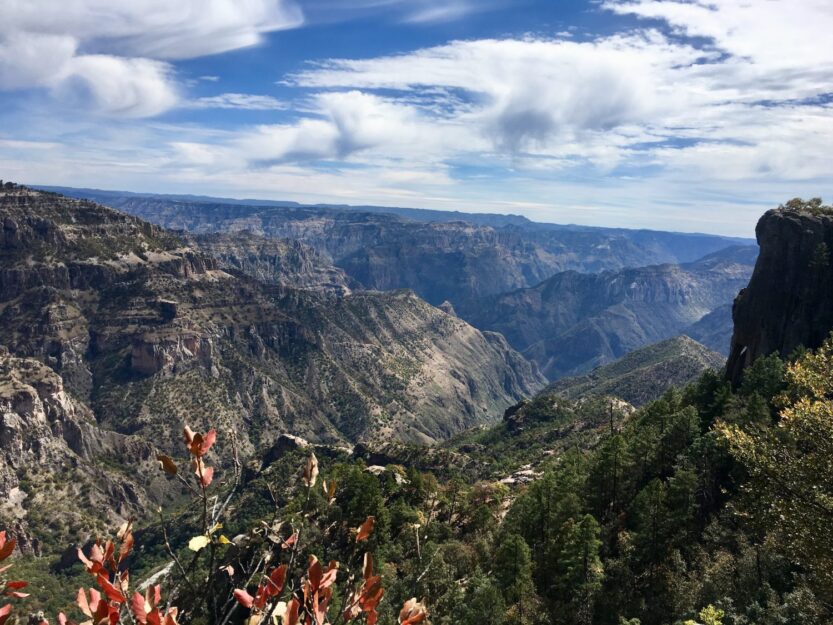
(278, 261)
(439, 260)
(152, 354)
(54, 461)
(789, 300)
(644, 374)
(153, 334)
(574, 322)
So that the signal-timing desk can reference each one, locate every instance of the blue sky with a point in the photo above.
(688, 115)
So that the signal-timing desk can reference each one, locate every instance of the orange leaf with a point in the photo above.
(6, 546)
(311, 471)
(167, 464)
(126, 546)
(412, 613)
(365, 529)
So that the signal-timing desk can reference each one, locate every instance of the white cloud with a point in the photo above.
(409, 11)
(244, 101)
(628, 124)
(113, 57)
(526, 93)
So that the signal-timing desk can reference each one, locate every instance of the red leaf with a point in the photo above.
(207, 441)
(243, 598)
(16, 585)
(292, 612)
(367, 572)
(113, 593)
(278, 578)
(137, 606)
(126, 546)
(329, 577)
(4, 612)
(207, 476)
(82, 602)
(6, 546)
(315, 573)
(290, 541)
(16, 594)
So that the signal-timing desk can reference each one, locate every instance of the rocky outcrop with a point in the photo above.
(283, 262)
(151, 354)
(51, 454)
(789, 300)
(575, 322)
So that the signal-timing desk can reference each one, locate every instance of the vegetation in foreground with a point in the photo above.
(710, 505)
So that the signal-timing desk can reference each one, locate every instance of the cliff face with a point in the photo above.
(574, 322)
(150, 333)
(57, 467)
(789, 300)
(439, 260)
(276, 261)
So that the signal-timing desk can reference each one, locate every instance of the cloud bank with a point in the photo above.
(116, 59)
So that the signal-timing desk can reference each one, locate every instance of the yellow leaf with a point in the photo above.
(198, 542)
(223, 540)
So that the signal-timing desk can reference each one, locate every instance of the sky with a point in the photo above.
(689, 115)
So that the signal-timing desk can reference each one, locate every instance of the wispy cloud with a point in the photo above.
(245, 101)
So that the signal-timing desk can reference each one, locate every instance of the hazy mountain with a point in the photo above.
(574, 321)
(714, 330)
(440, 260)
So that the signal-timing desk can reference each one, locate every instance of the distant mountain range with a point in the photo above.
(441, 256)
(573, 322)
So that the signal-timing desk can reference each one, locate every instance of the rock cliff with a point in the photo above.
(285, 262)
(789, 300)
(58, 469)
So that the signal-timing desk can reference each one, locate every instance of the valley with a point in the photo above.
(437, 422)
